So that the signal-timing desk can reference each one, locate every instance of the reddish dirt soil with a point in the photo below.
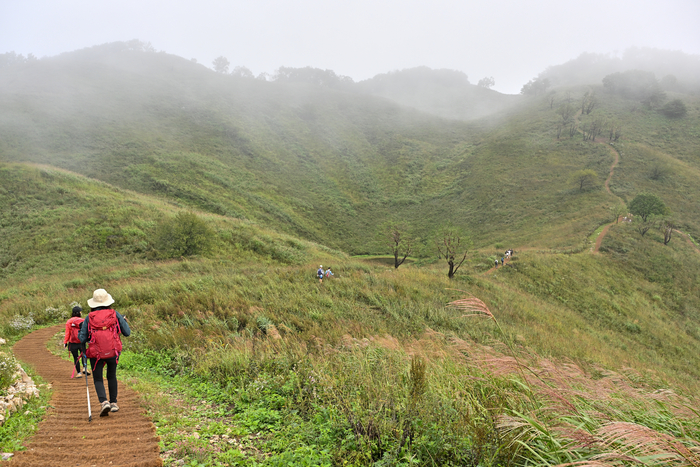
(599, 240)
(64, 437)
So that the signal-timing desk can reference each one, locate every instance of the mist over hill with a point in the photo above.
(677, 71)
(312, 154)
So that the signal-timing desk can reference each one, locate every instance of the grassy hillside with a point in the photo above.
(374, 352)
(102, 151)
(325, 165)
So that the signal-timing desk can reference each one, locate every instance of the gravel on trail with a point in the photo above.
(65, 437)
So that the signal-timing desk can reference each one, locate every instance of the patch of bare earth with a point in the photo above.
(65, 437)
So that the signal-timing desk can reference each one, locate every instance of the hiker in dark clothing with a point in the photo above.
(104, 346)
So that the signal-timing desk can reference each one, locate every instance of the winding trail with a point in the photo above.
(616, 155)
(65, 437)
(616, 160)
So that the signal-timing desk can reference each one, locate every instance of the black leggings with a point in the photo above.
(76, 349)
(97, 366)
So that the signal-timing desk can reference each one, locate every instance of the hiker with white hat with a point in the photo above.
(319, 274)
(101, 330)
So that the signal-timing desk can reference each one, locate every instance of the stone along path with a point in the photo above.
(65, 437)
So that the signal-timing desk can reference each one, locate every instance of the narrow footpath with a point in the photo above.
(65, 437)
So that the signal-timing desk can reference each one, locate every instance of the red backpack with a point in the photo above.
(104, 330)
(75, 324)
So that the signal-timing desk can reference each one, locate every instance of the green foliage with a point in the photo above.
(584, 178)
(674, 109)
(647, 204)
(535, 87)
(8, 368)
(635, 84)
(184, 235)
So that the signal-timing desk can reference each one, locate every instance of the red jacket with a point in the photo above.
(73, 324)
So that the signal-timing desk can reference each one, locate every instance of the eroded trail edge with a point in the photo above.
(64, 437)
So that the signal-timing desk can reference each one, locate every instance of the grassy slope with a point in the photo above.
(328, 166)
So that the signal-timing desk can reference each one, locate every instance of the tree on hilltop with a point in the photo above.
(487, 82)
(221, 64)
(535, 87)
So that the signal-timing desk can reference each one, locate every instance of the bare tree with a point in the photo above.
(400, 243)
(615, 132)
(572, 130)
(667, 227)
(566, 111)
(588, 103)
(593, 129)
(450, 244)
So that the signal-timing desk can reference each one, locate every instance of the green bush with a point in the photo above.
(184, 235)
(8, 367)
(674, 109)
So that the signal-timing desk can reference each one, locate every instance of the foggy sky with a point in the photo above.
(511, 40)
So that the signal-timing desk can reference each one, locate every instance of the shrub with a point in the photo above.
(8, 368)
(184, 235)
(674, 109)
(22, 323)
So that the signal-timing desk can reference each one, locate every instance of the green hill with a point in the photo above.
(106, 154)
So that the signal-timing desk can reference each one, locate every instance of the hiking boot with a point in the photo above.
(106, 407)
(86, 373)
(115, 407)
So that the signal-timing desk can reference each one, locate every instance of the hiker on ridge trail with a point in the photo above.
(319, 274)
(329, 273)
(101, 330)
(496, 263)
(72, 342)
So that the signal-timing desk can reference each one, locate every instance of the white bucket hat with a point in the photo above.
(100, 297)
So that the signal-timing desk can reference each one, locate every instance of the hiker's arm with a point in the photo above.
(123, 325)
(65, 338)
(83, 333)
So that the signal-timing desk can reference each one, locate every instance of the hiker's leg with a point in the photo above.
(97, 366)
(75, 351)
(112, 379)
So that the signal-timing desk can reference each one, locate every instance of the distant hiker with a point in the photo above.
(503, 260)
(329, 273)
(71, 341)
(319, 274)
(101, 330)
(496, 263)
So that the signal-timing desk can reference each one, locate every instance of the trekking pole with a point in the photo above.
(87, 389)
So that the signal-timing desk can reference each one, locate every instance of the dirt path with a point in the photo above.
(64, 437)
(601, 235)
(616, 154)
(687, 239)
